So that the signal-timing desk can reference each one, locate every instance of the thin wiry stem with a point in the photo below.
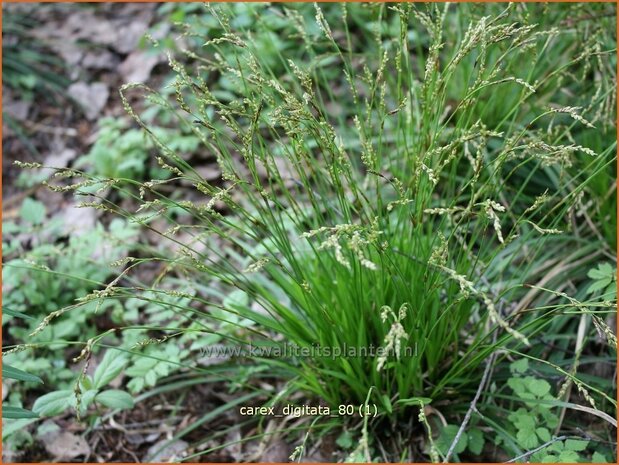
(537, 449)
(467, 417)
(489, 364)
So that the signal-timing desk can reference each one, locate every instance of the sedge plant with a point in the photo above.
(403, 229)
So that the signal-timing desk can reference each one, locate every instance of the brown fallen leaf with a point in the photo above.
(235, 447)
(65, 445)
(68, 51)
(277, 452)
(101, 59)
(128, 35)
(170, 453)
(138, 66)
(17, 109)
(78, 221)
(91, 97)
(209, 172)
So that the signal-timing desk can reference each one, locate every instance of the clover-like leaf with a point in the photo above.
(519, 366)
(476, 441)
(527, 438)
(539, 387)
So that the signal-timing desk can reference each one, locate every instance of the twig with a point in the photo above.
(18, 198)
(537, 449)
(589, 437)
(484, 378)
(584, 436)
(60, 131)
(580, 337)
(469, 412)
(598, 413)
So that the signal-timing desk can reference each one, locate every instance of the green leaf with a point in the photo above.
(543, 434)
(610, 292)
(539, 387)
(53, 403)
(576, 445)
(387, 403)
(419, 401)
(110, 367)
(527, 438)
(604, 270)
(598, 458)
(519, 366)
(10, 426)
(523, 420)
(528, 396)
(15, 373)
(356, 456)
(555, 447)
(87, 383)
(448, 434)
(568, 456)
(552, 420)
(8, 411)
(32, 211)
(604, 276)
(86, 400)
(9, 312)
(115, 398)
(476, 441)
(345, 440)
(597, 285)
(517, 385)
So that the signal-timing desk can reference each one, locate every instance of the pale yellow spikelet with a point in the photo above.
(490, 208)
(431, 174)
(28, 165)
(395, 336)
(123, 262)
(149, 341)
(539, 201)
(256, 266)
(467, 288)
(573, 112)
(604, 329)
(322, 22)
(439, 252)
(584, 392)
(544, 231)
(522, 82)
(167, 167)
(442, 211)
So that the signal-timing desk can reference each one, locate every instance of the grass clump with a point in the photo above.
(408, 226)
